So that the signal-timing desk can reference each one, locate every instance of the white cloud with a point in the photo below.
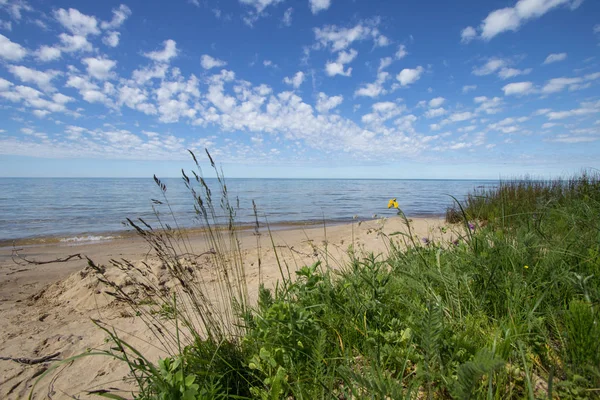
(338, 38)
(587, 108)
(77, 23)
(170, 51)
(319, 5)
(435, 112)
(596, 28)
(296, 80)
(6, 25)
(437, 102)
(373, 89)
(11, 51)
(326, 103)
(209, 62)
(559, 84)
(120, 14)
(41, 79)
(468, 88)
(518, 88)
(73, 43)
(401, 52)
(409, 76)
(260, 5)
(555, 57)
(488, 105)
(468, 34)
(506, 73)
(14, 8)
(111, 39)
(32, 98)
(511, 18)
(47, 53)
(384, 63)
(287, 17)
(462, 116)
(337, 67)
(99, 68)
(490, 67)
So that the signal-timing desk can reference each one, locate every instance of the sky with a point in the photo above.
(300, 89)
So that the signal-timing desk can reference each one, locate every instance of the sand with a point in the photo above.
(48, 308)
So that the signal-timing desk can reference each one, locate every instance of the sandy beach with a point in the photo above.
(48, 308)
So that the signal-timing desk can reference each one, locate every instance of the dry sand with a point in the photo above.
(48, 308)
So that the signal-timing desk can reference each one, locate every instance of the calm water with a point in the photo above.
(86, 209)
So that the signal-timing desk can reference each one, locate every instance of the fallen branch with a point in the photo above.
(32, 361)
(21, 260)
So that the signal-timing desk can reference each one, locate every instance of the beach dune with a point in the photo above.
(48, 308)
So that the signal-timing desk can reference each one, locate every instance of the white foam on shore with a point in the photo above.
(81, 239)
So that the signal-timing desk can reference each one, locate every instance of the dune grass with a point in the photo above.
(511, 310)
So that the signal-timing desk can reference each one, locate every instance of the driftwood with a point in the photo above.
(21, 260)
(32, 361)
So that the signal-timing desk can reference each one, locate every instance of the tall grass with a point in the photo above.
(510, 311)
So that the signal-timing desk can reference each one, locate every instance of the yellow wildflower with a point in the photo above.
(393, 203)
(526, 267)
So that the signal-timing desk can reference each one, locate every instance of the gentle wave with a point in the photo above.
(81, 239)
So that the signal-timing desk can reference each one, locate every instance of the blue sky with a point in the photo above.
(307, 88)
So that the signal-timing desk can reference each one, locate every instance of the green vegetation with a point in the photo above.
(511, 310)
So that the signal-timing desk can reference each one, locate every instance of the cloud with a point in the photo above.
(170, 51)
(317, 6)
(488, 105)
(559, 84)
(111, 39)
(401, 52)
(435, 112)
(373, 89)
(409, 76)
(99, 68)
(209, 62)
(41, 79)
(77, 23)
(468, 88)
(462, 116)
(47, 53)
(468, 34)
(30, 97)
(296, 80)
(518, 88)
(384, 63)
(490, 67)
(506, 73)
(6, 25)
(74, 43)
(11, 51)
(555, 57)
(337, 67)
(287, 17)
(512, 18)
(325, 103)
(120, 14)
(437, 102)
(587, 108)
(337, 38)
(260, 5)
(14, 8)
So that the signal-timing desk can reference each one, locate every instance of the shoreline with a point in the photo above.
(84, 238)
